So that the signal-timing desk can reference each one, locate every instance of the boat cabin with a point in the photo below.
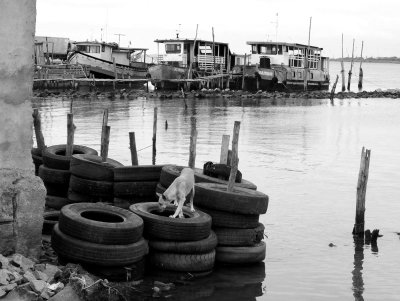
(108, 51)
(292, 55)
(183, 52)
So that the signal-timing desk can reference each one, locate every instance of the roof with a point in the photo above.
(186, 41)
(113, 45)
(282, 43)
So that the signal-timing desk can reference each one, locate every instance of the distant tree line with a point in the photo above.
(390, 59)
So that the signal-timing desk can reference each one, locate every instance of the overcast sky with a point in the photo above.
(234, 22)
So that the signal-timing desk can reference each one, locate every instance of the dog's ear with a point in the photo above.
(158, 194)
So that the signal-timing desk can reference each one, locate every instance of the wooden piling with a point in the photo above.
(223, 159)
(361, 74)
(184, 98)
(37, 124)
(154, 136)
(351, 68)
(193, 141)
(103, 128)
(166, 124)
(115, 72)
(192, 57)
(132, 146)
(105, 143)
(342, 71)
(70, 135)
(334, 88)
(361, 192)
(306, 69)
(234, 163)
(244, 69)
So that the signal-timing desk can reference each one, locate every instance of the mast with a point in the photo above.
(306, 58)
(360, 74)
(351, 68)
(342, 71)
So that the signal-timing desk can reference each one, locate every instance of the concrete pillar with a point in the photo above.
(22, 195)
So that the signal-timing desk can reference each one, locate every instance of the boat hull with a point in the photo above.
(162, 74)
(105, 69)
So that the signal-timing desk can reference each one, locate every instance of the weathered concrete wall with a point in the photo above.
(17, 23)
(22, 195)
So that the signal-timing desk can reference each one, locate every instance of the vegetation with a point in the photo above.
(392, 59)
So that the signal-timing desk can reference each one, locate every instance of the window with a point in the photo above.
(94, 49)
(299, 74)
(293, 74)
(82, 48)
(173, 48)
(103, 48)
(206, 50)
(254, 49)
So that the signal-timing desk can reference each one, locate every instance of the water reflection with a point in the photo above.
(358, 281)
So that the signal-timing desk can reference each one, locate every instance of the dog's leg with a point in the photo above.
(191, 200)
(179, 208)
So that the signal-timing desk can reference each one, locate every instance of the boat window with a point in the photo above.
(94, 49)
(293, 74)
(268, 49)
(173, 48)
(103, 48)
(279, 49)
(254, 49)
(82, 48)
(299, 74)
(206, 49)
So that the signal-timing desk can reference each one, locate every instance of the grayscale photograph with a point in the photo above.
(210, 150)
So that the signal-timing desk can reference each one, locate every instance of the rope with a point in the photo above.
(144, 148)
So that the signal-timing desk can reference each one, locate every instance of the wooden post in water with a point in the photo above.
(361, 191)
(351, 68)
(70, 135)
(132, 146)
(333, 89)
(38, 130)
(361, 74)
(234, 163)
(154, 135)
(184, 98)
(192, 57)
(342, 71)
(193, 141)
(244, 69)
(306, 59)
(105, 143)
(115, 72)
(103, 128)
(223, 159)
(213, 49)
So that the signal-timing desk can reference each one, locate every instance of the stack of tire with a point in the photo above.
(170, 172)
(235, 220)
(91, 179)
(105, 239)
(178, 244)
(55, 173)
(135, 184)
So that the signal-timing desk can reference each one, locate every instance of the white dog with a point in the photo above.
(178, 191)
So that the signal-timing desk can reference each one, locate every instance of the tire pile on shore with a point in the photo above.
(178, 245)
(105, 239)
(56, 175)
(91, 179)
(135, 184)
(235, 220)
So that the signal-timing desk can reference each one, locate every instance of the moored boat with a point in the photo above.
(188, 58)
(284, 66)
(99, 58)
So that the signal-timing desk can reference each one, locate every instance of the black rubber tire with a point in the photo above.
(50, 219)
(125, 203)
(91, 187)
(76, 197)
(241, 255)
(92, 167)
(54, 176)
(188, 247)
(56, 202)
(183, 262)
(150, 173)
(239, 200)
(100, 223)
(78, 250)
(170, 172)
(231, 220)
(56, 189)
(54, 156)
(196, 226)
(239, 237)
(134, 189)
(131, 272)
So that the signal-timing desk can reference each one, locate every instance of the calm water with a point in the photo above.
(305, 155)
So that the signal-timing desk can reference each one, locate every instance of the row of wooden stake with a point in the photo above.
(105, 140)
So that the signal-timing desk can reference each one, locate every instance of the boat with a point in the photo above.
(108, 60)
(187, 59)
(281, 66)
